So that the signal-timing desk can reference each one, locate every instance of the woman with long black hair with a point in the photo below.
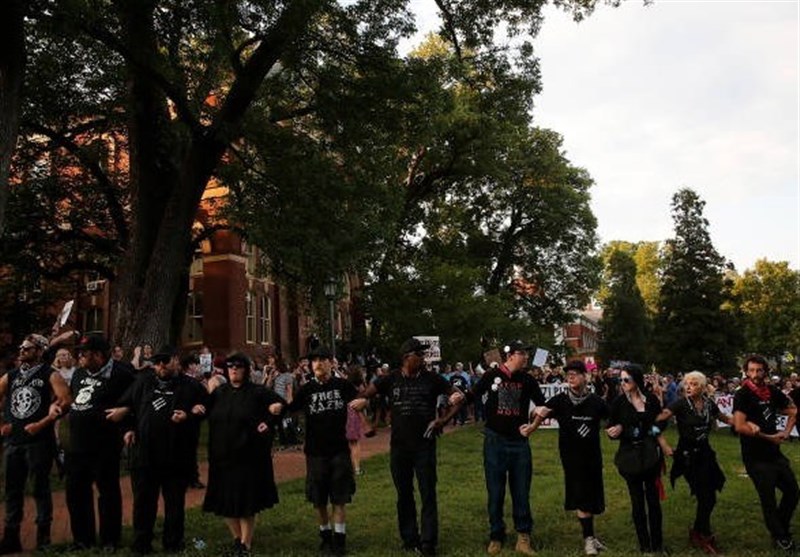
(639, 458)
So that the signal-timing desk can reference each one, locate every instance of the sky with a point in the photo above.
(699, 94)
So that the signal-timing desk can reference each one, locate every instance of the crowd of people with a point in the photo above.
(90, 406)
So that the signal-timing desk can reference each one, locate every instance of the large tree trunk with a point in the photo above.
(171, 161)
(12, 73)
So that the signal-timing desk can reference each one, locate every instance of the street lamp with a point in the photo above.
(330, 293)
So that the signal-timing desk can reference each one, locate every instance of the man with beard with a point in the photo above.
(756, 406)
(30, 445)
(95, 444)
(412, 392)
(164, 403)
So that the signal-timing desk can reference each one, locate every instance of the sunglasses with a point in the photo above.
(626, 379)
(26, 348)
(235, 366)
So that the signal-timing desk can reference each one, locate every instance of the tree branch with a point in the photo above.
(449, 24)
(115, 208)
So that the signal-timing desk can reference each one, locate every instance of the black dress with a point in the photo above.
(240, 477)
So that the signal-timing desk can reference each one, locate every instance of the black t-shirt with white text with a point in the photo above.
(694, 425)
(578, 427)
(325, 407)
(413, 405)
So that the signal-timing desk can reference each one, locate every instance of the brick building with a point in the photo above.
(581, 337)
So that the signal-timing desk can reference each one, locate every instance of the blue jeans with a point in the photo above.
(422, 464)
(507, 460)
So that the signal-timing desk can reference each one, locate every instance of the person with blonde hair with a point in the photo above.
(696, 414)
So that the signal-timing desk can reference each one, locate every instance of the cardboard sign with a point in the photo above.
(63, 317)
(540, 358)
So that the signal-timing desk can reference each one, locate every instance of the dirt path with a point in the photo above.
(288, 465)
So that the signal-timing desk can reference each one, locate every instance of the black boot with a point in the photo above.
(42, 536)
(326, 542)
(339, 545)
(10, 542)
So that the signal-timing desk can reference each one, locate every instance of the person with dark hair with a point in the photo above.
(241, 421)
(639, 457)
(412, 393)
(164, 404)
(93, 454)
(329, 471)
(579, 413)
(756, 406)
(26, 395)
(507, 459)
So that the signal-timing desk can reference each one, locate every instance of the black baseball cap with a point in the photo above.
(413, 345)
(516, 346)
(320, 353)
(575, 365)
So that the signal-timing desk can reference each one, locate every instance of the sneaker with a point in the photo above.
(710, 546)
(524, 545)
(598, 545)
(588, 546)
(326, 542)
(495, 547)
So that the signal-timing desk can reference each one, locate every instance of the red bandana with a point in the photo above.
(763, 393)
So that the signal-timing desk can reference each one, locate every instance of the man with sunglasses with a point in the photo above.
(93, 455)
(28, 393)
(165, 406)
(412, 394)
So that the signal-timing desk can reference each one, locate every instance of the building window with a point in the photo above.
(93, 319)
(265, 320)
(250, 319)
(194, 317)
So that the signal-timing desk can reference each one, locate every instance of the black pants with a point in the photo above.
(84, 470)
(404, 466)
(35, 459)
(646, 509)
(194, 467)
(767, 477)
(147, 483)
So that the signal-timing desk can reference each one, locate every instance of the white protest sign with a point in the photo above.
(434, 352)
(64, 315)
(540, 357)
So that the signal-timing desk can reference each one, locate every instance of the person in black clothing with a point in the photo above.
(329, 470)
(696, 415)
(163, 404)
(30, 444)
(190, 369)
(579, 413)
(756, 406)
(241, 422)
(412, 394)
(510, 391)
(93, 454)
(633, 422)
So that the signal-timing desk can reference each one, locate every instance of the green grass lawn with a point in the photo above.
(290, 528)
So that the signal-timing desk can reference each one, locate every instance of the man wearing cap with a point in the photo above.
(329, 470)
(95, 443)
(164, 404)
(190, 368)
(506, 453)
(412, 394)
(30, 445)
(579, 412)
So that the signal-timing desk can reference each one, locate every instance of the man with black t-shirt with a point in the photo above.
(506, 453)
(412, 394)
(95, 444)
(756, 406)
(329, 470)
(30, 444)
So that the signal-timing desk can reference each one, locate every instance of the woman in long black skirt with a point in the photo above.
(241, 422)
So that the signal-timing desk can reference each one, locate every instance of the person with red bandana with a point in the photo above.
(756, 406)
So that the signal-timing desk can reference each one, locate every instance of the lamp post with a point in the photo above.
(330, 294)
